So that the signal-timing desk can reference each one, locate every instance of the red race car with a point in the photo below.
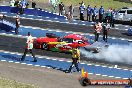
(64, 44)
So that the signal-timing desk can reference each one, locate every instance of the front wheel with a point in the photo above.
(45, 46)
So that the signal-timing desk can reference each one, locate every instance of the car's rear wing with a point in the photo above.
(51, 35)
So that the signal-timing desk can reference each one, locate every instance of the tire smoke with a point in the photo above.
(114, 53)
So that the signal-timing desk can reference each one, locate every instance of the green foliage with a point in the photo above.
(106, 3)
(5, 83)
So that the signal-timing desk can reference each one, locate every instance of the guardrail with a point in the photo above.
(31, 11)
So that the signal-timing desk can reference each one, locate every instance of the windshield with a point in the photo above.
(129, 11)
(67, 40)
(122, 11)
(85, 39)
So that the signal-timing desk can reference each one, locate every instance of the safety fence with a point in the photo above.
(30, 11)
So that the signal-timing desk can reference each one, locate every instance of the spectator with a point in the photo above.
(12, 3)
(81, 8)
(98, 28)
(113, 13)
(27, 5)
(94, 14)
(89, 13)
(33, 4)
(17, 3)
(67, 14)
(61, 8)
(22, 6)
(83, 4)
(108, 15)
(105, 28)
(71, 10)
(101, 14)
(54, 4)
(29, 48)
(2, 17)
(17, 23)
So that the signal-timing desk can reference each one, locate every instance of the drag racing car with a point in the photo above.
(61, 44)
(96, 47)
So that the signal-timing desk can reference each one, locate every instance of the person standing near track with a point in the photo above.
(101, 14)
(82, 9)
(75, 59)
(105, 28)
(89, 13)
(98, 28)
(61, 8)
(29, 48)
(33, 4)
(94, 14)
(71, 10)
(17, 23)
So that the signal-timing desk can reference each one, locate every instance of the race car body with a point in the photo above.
(65, 43)
(96, 47)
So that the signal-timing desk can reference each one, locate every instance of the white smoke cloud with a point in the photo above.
(114, 53)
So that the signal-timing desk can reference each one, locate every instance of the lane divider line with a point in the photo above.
(17, 62)
(97, 74)
(43, 66)
(37, 65)
(11, 61)
(3, 60)
(111, 76)
(97, 65)
(29, 64)
(118, 77)
(104, 66)
(23, 63)
(104, 75)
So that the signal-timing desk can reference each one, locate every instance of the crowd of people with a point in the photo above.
(22, 4)
(104, 16)
(107, 16)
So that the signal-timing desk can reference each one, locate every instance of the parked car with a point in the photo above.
(124, 14)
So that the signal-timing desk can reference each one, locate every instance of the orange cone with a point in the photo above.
(84, 74)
